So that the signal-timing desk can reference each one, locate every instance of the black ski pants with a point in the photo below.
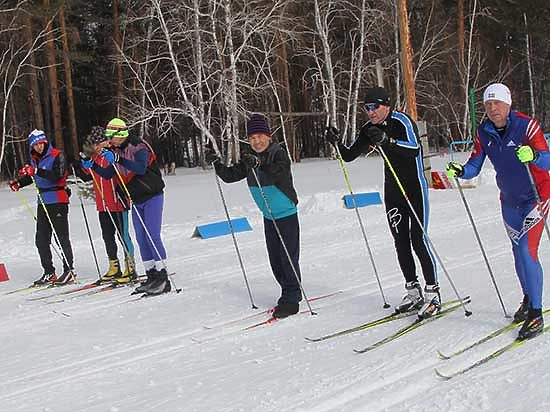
(59, 214)
(408, 235)
(278, 259)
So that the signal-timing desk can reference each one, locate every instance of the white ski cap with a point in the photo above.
(497, 91)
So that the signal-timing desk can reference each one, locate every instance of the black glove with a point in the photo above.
(210, 156)
(250, 161)
(377, 136)
(333, 135)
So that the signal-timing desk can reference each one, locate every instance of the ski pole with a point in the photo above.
(538, 198)
(234, 239)
(467, 207)
(88, 230)
(369, 251)
(266, 202)
(398, 181)
(64, 258)
(143, 224)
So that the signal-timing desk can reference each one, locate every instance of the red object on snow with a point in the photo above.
(441, 181)
(3, 273)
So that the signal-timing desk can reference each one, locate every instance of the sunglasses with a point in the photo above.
(371, 107)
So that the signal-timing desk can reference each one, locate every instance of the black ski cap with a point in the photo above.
(377, 95)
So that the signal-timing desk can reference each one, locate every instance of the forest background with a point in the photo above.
(187, 72)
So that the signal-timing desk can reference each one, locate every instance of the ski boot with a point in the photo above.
(45, 279)
(521, 313)
(159, 285)
(112, 272)
(68, 277)
(129, 274)
(284, 310)
(533, 325)
(412, 300)
(151, 275)
(432, 302)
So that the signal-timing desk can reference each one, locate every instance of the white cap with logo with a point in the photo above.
(497, 91)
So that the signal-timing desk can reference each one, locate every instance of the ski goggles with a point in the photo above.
(122, 132)
(371, 107)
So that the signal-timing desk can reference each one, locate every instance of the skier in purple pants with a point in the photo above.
(137, 164)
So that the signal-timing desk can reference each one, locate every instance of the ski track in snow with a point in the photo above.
(102, 353)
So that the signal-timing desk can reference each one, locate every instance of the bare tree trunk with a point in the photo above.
(406, 59)
(460, 33)
(52, 75)
(199, 68)
(529, 68)
(117, 39)
(359, 71)
(465, 127)
(397, 61)
(323, 31)
(287, 125)
(34, 90)
(232, 82)
(68, 83)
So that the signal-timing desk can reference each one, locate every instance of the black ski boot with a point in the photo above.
(159, 285)
(533, 325)
(284, 310)
(521, 313)
(151, 275)
(45, 279)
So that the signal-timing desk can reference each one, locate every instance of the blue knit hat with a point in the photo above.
(37, 136)
(257, 124)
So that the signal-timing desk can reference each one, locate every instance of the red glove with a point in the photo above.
(27, 170)
(14, 186)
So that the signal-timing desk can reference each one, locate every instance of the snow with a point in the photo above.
(107, 353)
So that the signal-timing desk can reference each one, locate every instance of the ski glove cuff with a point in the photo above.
(333, 135)
(211, 157)
(526, 154)
(454, 169)
(110, 156)
(251, 161)
(377, 136)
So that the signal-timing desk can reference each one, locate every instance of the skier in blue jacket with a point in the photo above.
(272, 167)
(515, 143)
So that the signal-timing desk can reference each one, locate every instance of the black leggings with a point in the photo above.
(58, 213)
(406, 233)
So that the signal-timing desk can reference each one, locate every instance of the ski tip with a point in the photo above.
(443, 356)
(359, 350)
(442, 376)
(311, 339)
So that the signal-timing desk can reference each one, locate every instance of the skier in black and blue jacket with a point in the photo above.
(272, 166)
